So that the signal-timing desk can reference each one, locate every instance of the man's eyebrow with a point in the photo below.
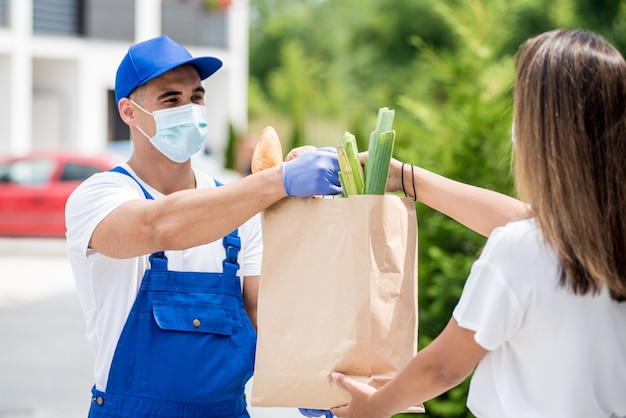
(199, 89)
(168, 94)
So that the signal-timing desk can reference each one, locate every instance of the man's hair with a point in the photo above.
(570, 152)
(138, 95)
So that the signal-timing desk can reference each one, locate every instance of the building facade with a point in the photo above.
(58, 60)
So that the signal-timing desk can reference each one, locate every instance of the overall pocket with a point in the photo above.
(195, 352)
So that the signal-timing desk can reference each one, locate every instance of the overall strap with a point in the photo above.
(120, 169)
(232, 244)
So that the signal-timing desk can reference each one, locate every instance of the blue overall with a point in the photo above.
(187, 348)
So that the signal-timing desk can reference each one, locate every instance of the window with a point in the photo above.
(117, 130)
(109, 19)
(4, 12)
(57, 17)
(103, 19)
(190, 22)
(27, 172)
(78, 172)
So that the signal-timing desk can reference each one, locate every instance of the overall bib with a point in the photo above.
(187, 348)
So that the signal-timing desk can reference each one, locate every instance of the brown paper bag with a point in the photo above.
(338, 292)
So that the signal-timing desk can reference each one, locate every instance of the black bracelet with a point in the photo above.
(413, 182)
(405, 195)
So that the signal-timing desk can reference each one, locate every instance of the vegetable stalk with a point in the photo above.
(372, 180)
(380, 149)
(347, 177)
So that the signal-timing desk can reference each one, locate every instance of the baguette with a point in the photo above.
(268, 151)
(298, 151)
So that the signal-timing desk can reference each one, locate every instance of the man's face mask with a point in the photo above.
(180, 131)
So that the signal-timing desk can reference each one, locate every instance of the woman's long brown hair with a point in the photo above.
(570, 154)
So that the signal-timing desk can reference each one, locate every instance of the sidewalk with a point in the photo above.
(32, 269)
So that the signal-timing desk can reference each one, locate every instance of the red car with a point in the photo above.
(34, 189)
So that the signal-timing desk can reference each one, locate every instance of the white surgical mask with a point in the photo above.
(180, 131)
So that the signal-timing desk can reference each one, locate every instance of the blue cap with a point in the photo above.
(152, 58)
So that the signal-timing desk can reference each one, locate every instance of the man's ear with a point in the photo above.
(126, 111)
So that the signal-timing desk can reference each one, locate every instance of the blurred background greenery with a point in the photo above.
(319, 67)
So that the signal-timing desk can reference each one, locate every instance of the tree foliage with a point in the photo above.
(447, 68)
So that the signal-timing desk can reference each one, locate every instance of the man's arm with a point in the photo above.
(192, 217)
(187, 218)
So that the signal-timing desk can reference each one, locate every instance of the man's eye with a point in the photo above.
(169, 103)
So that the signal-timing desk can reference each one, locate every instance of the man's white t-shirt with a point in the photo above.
(107, 287)
(551, 353)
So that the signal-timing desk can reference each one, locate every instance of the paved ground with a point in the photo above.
(45, 363)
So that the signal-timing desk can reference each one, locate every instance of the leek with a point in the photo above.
(346, 174)
(373, 180)
(380, 149)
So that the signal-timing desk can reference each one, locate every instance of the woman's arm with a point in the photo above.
(479, 209)
(444, 364)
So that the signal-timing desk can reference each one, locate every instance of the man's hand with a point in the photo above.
(313, 173)
(315, 413)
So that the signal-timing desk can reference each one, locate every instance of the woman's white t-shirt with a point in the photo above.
(551, 353)
(107, 287)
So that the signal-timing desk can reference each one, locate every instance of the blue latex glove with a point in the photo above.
(315, 412)
(313, 173)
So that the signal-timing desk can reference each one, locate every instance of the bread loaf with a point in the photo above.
(297, 151)
(268, 151)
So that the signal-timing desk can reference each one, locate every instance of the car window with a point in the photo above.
(34, 171)
(73, 172)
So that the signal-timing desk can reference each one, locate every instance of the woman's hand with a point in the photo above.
(394, 179)
(362, 404)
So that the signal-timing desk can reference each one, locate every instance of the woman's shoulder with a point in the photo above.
(521, 239)
(517, 231)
